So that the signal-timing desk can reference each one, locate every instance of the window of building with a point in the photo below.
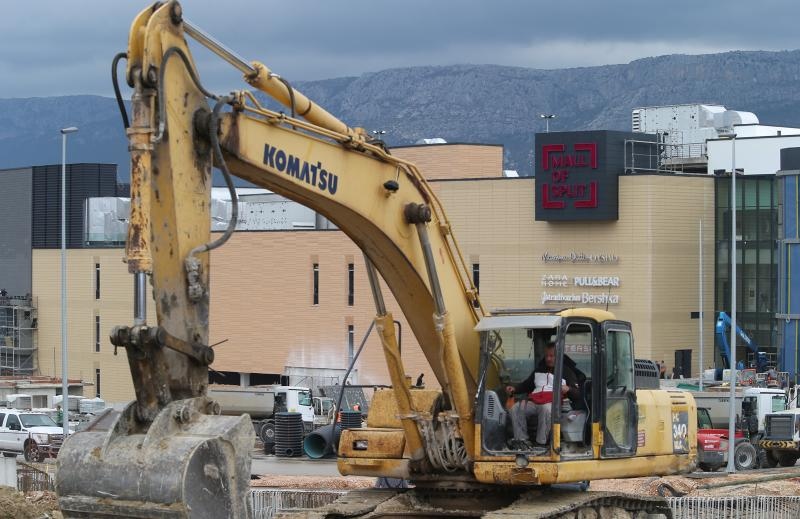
(315, 299)
(476, 280)
(756, 259)
(351, 284)
(97, 334)
(97, 281)
(351, 341)
(97, 382)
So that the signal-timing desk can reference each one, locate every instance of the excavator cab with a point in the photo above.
(592, 358)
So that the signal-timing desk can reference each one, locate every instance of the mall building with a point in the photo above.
(612, 220)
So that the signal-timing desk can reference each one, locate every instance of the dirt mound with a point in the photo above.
(34, 505)
(742, 484)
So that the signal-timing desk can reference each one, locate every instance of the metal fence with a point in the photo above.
(31, 479)
(265, 503)
(738, 507)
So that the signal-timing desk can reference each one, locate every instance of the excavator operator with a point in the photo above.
(538, 388)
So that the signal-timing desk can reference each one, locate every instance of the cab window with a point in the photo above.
(13, 423)
(703, 419)
(619, 360)
(518, 350)
(280, 402)
(578, 347)
(620, 411)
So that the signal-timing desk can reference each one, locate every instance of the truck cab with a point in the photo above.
(758, 402)
(712, 445)
(295, 400)
(324, 410)
(781, 440)
(33, 434)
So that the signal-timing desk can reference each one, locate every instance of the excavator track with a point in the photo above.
(499, 504)
(542, 504)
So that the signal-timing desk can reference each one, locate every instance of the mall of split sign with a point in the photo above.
(577, 174)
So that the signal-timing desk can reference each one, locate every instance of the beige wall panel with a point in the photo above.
(440, 161)
(261, 302)
(115, 307)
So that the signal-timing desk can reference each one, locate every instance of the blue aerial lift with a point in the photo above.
(723, 325)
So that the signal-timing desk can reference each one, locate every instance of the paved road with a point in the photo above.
(293, 466)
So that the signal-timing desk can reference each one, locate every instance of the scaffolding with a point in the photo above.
(18, 320)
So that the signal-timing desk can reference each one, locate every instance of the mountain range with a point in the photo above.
(459, 103)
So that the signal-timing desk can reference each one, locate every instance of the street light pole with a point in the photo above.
(547, 118)
(700, 283)
(64, 382)
(732, 409)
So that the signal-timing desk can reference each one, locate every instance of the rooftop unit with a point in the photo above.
(682, 133)
(106, 219)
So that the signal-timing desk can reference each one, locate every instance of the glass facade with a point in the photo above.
(756, 260)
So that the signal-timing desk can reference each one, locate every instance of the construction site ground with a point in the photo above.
(764, 482)
(306, 474)
(33, 505)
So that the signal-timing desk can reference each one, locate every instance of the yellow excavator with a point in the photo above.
(170, 453)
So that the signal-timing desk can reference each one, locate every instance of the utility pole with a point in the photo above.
(64, 382)
(732, 409)
(700, 284)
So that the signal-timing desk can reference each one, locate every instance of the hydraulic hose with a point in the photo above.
(162, 105)
(291, 92)
(117, 93)
(347, 374)
(213, 130)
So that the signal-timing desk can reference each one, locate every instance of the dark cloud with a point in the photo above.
(52, 47)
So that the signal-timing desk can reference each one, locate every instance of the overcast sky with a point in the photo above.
(60, 47)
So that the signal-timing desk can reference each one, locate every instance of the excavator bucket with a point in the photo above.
(188, 463)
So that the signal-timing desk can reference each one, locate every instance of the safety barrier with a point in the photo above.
(737, 507)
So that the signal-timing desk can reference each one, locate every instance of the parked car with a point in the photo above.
(33, 434)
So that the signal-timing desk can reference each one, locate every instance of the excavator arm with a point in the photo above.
(178, 131)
